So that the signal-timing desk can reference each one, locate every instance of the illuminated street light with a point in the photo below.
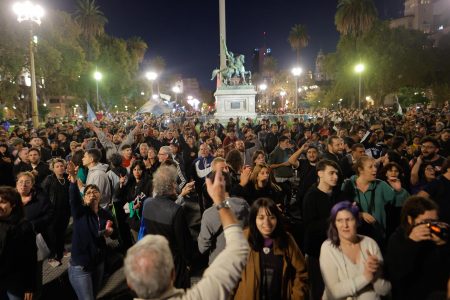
(359, 68)
(194, 102)
(297, 71)
(176, 89)
(27, 11)
(263, 88)
(97, 76)
(282, 94)
(151, 76)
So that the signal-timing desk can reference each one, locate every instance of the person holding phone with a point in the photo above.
(418, 259)
(90, 227)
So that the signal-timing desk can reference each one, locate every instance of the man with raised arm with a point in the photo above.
(149, 267)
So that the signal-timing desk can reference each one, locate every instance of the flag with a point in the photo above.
(155, 108)
(165, 96)
(91, 117)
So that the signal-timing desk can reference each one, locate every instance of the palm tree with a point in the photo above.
(355, 17)
(298, 38)
(91, 19)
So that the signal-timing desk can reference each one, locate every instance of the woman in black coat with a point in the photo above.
(38, 211)
(17, 248)
(56, 185)
(130, 195)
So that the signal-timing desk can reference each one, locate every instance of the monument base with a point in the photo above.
(235, 101)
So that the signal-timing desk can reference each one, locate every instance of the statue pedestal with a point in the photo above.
(235, 101)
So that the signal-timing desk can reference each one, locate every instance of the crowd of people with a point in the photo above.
(347, 204)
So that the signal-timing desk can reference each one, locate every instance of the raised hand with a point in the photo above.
(245, 175)
(216, 190)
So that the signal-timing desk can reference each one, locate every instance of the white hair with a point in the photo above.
(165, 181)
(148, 266)
(166, 149)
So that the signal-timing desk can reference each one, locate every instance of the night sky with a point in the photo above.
(186, 32)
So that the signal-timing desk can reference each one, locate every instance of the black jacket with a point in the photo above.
(316, 212)
(18, 254)
(39, 211)
(417, 270)
(58, 194)
(88, 242)
(41, 168)
(250, 193)
(163, 216)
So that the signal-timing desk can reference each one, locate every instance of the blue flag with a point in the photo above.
(91, 117)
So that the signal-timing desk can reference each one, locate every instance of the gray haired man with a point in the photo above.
(149, 267)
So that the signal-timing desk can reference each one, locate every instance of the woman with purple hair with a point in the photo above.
(351, 264)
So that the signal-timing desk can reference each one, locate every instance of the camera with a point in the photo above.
(440, 229)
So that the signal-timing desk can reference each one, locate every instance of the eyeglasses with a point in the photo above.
(91, 192)
(24, 182)
(162, 154)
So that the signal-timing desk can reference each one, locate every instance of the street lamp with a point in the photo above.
(27, 11)
(151, 76)
(176, 89)
(282, 94)
(296, 72)
(97, 76)
(359, 68)
(263, 88)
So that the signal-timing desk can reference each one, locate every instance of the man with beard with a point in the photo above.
(246, 154)
(37, 143)
(306, 170)
(335, 148)
(429, 154)
(114, 145)
(317, 204)
(39, 169)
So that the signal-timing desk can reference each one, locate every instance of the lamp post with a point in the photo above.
(282, 94)
(296, 72)
(151, 76)
(176, 90)
(263, 88)
(359, 68)
(97, 76)
(27, 11)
